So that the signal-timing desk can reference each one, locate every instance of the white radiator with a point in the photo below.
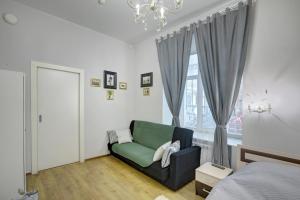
(206, 150)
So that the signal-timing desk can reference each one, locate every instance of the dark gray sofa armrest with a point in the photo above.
(109, 146)
(183, 165)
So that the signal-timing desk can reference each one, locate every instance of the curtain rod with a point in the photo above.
(232, 7)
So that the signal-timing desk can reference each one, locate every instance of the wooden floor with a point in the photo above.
(102, 178)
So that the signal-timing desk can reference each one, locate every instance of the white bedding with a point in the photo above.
(260, 181)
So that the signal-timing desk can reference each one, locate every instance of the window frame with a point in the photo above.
(200, 98)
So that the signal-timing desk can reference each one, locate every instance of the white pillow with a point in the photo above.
(160, 151)
(124, 136)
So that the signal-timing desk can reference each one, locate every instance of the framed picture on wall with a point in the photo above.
(110, 80)
(95, 82)
(123, 86)
(147, 79)
(110, 95)
(146, 91)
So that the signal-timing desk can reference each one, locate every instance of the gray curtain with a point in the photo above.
(221, 46)
(173, 55)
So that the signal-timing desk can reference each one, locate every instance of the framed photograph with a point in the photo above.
(110, 94)
(110, 80)
(95, 82)
(147, 80)
(123, 86)
(146, 91)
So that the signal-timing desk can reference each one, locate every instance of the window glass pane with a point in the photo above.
(193, 59)
(195, 112)
(190, 104)
(193, 66)
(190, 95)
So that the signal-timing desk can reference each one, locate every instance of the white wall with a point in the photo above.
(273, 64)
(148, 108)
(46, 38)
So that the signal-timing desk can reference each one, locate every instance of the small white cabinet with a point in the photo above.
(208, 175)
(12, 169)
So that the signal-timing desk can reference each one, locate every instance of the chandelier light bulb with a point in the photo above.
(162, 13)
(137, 9)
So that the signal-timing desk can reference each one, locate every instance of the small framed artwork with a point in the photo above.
(110, 80)
(123, 86)
(110, 94)
(95, 82)
(147, 80)
(146, 91)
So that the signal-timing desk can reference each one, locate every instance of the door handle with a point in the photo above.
(40, 118)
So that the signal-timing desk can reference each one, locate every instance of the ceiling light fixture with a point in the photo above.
(101, 2)
(10, 18)
(158, 9)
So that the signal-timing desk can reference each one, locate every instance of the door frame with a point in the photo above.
(34, 109)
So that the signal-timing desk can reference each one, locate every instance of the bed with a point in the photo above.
(262, 176)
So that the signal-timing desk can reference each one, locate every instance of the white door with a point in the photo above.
(58, 117)
(11, 134)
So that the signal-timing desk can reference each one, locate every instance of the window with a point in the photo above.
(195, 112)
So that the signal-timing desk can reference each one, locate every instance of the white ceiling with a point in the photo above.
(115, 18)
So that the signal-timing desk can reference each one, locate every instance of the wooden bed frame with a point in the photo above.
(248, 154)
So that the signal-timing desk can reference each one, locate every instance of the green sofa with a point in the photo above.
(147, 138)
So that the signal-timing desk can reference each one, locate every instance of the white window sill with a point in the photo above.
(209, 137)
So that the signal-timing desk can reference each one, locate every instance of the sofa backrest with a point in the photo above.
(185, 136)
(152, 135)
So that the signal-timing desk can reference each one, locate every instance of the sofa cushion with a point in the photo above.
(152, 135)
(135, 152)
(160, 151)
(124, 136)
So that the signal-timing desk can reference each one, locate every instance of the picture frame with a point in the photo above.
(110, 95)
(95, 82)
(123, 86)
(147, 79)
(146, 91)
(110, 80)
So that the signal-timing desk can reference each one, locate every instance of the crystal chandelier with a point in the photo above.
(158, 9)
